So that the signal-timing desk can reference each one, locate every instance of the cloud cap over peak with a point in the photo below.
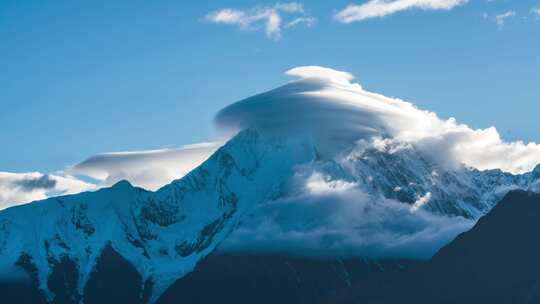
(326, 105)
(317, 72)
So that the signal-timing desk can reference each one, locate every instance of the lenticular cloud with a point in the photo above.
(149, 169)
(326, 105)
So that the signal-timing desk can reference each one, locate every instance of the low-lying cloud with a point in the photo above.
(343, 223)
(382, 8)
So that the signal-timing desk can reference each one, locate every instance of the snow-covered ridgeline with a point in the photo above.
(164, 233)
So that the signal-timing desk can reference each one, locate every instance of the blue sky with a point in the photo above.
(83, 77)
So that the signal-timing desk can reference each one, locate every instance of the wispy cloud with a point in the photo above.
(500, 19)
(535, 11)
(267, 18)
(382, 8)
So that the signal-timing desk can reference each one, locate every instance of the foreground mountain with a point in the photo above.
(494, 262)
(269, 279)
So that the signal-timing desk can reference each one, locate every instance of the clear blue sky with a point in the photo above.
(83, 77)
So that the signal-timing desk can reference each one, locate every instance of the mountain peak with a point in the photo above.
(122, 184)
(163, 234)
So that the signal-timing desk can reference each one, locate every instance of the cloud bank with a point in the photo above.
(271, 19)
(339, 220)
(326, 105)
(148, 169)
(20, 188)
(382, 8)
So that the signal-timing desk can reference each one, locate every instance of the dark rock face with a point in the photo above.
(114, 280)
(20, 293)
(23, 292)
(496, 262)
(63, 281)
(272, 279)
(217, 279)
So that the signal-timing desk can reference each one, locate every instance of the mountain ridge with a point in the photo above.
(140, 224)
(164, 234)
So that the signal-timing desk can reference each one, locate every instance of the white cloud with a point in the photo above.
(382, 8)
(535, 11)
(148, 169)
(20, 188)
(308, 21)
(342, 224)
(322, 73)
(325, 105)
(501, 19)
(269, 18)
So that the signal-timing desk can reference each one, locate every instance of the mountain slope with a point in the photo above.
(163, 234)
(264, 279)
(497, 260)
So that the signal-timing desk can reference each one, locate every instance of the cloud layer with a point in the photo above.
(148, 169)
(382, 8)
(333, 219)
(20, 188)
(271, 19)
(327, 106)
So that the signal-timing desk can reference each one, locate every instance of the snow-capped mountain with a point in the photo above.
(373, 201)
(403, 173)
(163, 234)
(317, 167)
